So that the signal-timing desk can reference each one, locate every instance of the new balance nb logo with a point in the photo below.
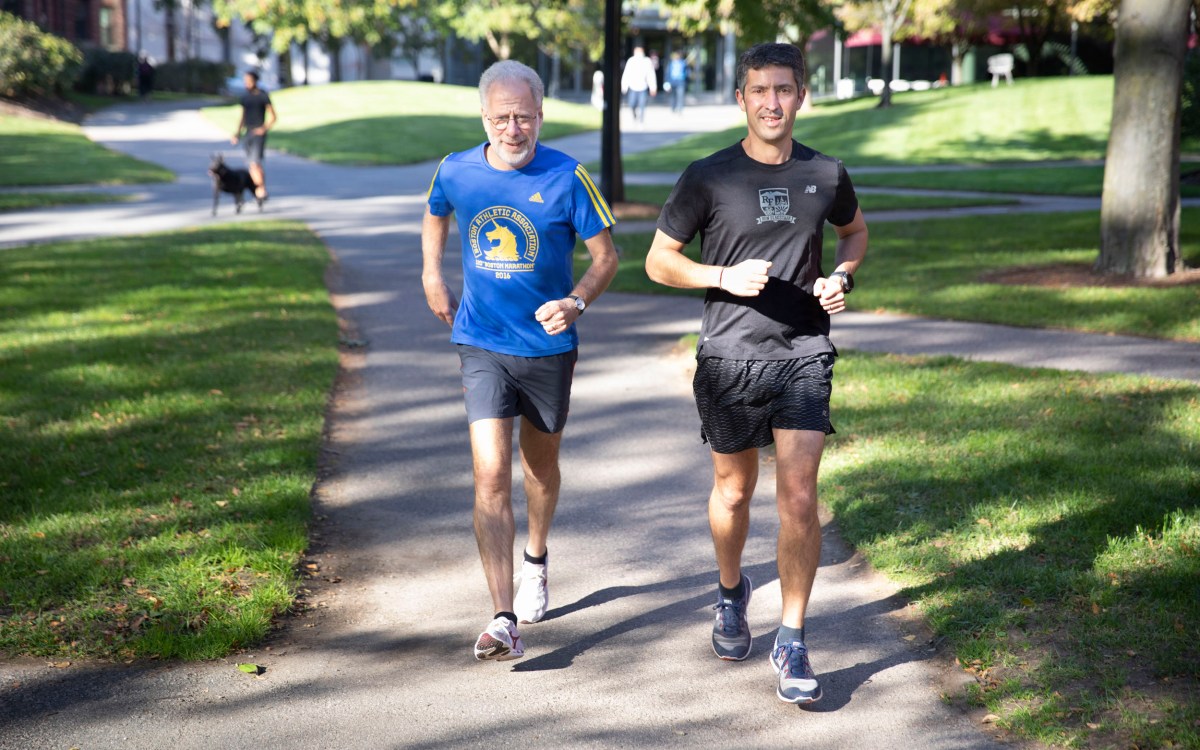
(536, 198)
(810, 189)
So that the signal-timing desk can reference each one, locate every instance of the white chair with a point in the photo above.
(1000, 65)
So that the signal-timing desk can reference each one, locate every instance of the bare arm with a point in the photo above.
(439, 297)
(237, 132)
(666, 264)
(270, 120)
(851, 249)
(557, 315)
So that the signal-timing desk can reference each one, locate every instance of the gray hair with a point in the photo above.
(511, 70)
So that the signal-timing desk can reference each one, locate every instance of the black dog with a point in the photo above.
(229, 180)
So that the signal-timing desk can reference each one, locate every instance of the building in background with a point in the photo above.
(85, 23)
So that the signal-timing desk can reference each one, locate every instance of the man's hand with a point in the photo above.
(557, 315)
(441, 301)
(233, 139)
(829, 293)
(746, 279)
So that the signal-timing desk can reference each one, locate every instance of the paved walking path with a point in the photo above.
(383, 660)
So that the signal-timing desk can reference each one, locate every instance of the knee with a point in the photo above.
(732, 495)
(798, 506)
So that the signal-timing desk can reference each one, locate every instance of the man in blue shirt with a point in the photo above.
(519, 207)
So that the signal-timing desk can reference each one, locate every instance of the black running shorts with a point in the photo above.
(499, 386)
(742, 401)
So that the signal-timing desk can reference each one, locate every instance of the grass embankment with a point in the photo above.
(1036, 119)
(389, 122)
(162, 400)
(26, 201)
(1046, 523)
(44, 152)
(657, 194)
(933, 268)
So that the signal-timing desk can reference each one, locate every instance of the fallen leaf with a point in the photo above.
(60, 664)
(222, 503)
(990, 719)
(251, 668)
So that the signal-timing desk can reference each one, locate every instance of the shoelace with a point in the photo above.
(727, 610)
(795, 657)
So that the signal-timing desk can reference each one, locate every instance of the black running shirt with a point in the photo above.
(745, 209)
(254, 108)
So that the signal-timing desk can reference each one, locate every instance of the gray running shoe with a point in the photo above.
(797, 681)
(731, 633)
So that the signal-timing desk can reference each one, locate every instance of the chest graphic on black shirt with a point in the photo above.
(503, 239)
(775, 204)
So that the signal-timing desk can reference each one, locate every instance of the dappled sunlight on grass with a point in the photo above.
(44, 152)
(169, 394)
(1030, 512)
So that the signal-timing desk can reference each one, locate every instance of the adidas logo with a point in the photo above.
(536, 198)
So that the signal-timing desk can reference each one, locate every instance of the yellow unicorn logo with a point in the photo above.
(506, 244)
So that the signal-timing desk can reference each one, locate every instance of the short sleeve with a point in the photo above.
(845, 200)
(682, 216)
(590, 212)
(439, 204)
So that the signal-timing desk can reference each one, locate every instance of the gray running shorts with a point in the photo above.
(498, 386)
(255, 146)
(742, 401)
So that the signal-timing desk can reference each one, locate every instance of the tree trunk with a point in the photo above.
(885, 55)
(1139, 215)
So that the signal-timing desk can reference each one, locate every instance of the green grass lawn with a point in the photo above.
(933, 268)
(43, 152)
(1065, 180)
(869, 201)
(1036, 119)
(1047, 524)
(389, 122)
(26, 201)
(162, 400)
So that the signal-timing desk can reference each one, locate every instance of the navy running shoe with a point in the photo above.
(797, 681)
(731, 633)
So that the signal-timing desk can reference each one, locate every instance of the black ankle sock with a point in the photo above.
(537, 560)
(508, 615)
(737, 592)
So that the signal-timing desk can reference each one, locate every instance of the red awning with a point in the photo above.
(864, 38)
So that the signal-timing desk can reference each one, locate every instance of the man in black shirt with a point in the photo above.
(256, 106)
(765, 362)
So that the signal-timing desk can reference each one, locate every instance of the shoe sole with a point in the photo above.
(494, 650)
(803, 701)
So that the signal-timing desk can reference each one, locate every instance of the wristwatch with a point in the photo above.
(580, 305)
(847, 280)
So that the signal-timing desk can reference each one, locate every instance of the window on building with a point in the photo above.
(83, 21)
(108, 36)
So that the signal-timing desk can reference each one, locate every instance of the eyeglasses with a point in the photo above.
(524, 122)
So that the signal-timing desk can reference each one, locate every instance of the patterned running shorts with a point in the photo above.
(742, 401)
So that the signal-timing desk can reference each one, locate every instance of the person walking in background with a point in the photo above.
(764, 359)
(676, 83)
(520, 206)
(145, 76)
(258, 116)
(639, 82)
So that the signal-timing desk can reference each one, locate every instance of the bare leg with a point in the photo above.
(734, 477)
(491, 449)
(539, 460)
(799, 547)
(260, 180)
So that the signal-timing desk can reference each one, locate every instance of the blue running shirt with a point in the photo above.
(518, 232)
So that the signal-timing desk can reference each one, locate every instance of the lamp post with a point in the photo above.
(612, 178)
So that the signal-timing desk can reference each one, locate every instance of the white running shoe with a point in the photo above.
(499, 642)
(533, 596)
